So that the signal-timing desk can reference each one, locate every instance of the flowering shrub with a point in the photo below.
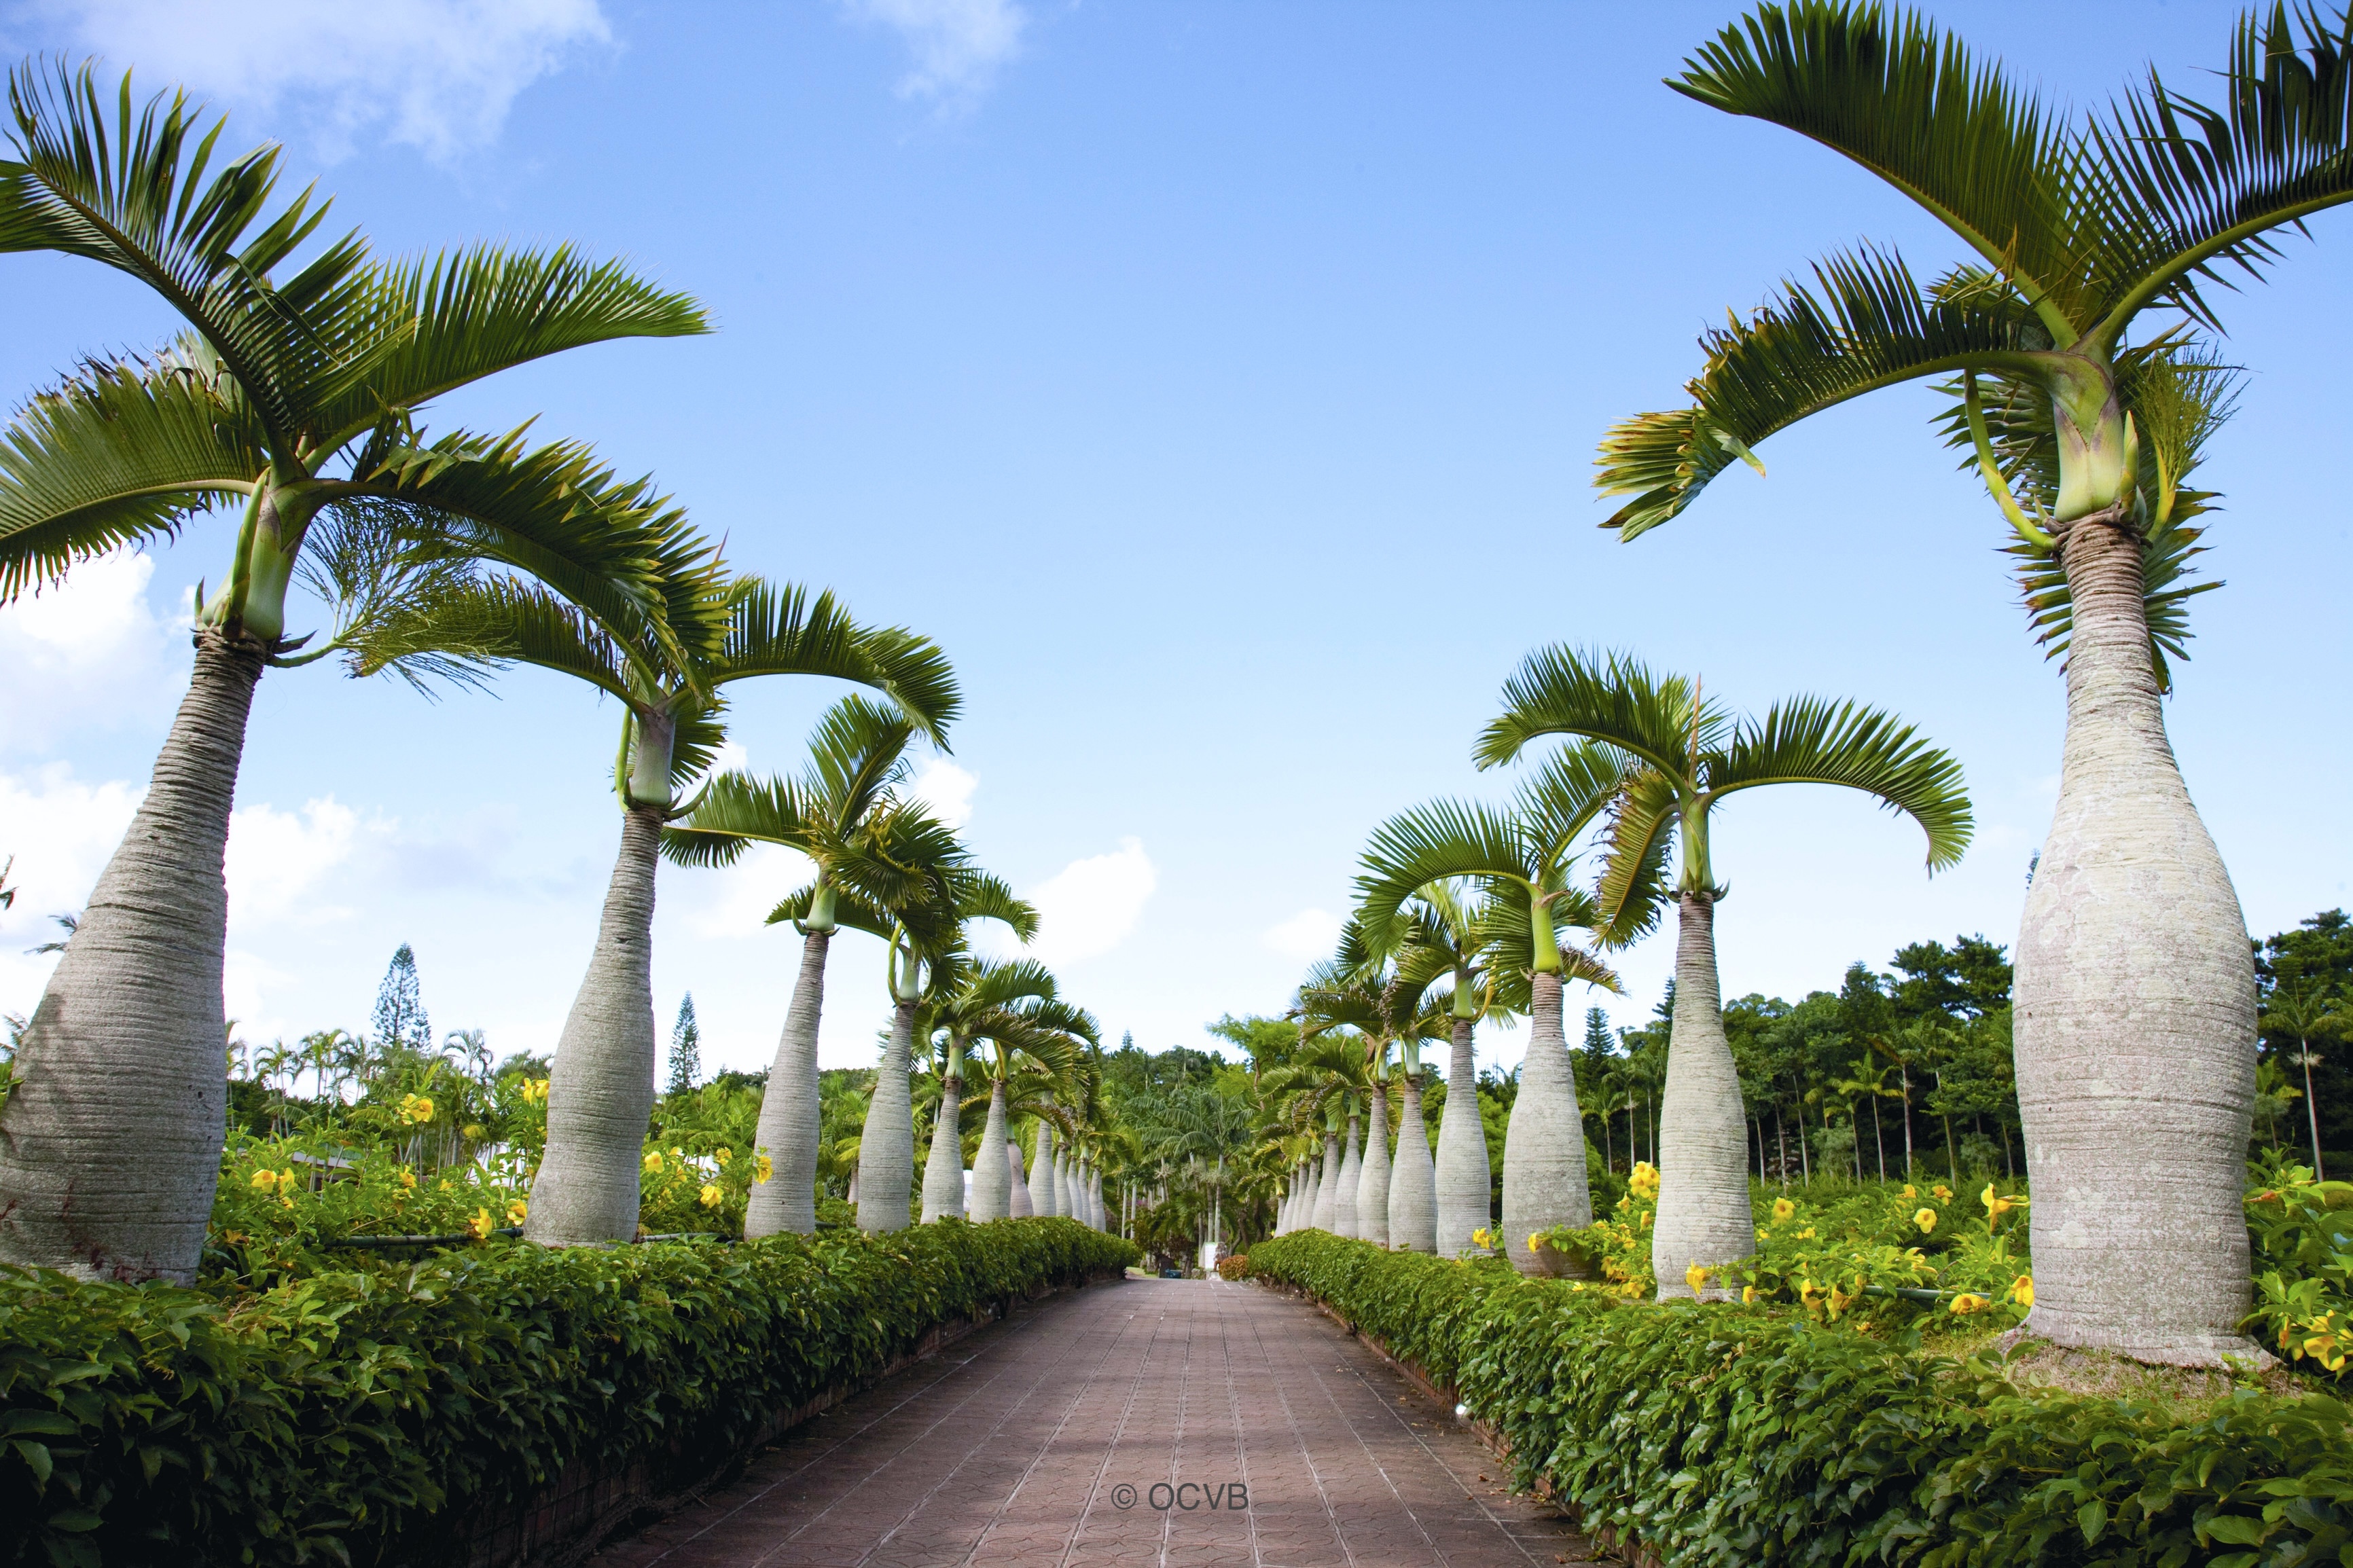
(374, 1412)
(1237, 1266)
(2302, 1232)
(1719, 1434)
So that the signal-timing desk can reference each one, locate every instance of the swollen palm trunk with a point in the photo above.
(1413, 1181)
(886, 1152)
(789, 1119)
(1544, 1144)
(1373, 1182)
(1704, 1215)
(1042, 1173)
(992, 1180)
(600, 1092)
(1314, 1193)
(944, 1172)
(1327, 1186)
(1062, 1204)
(1464, 1179)
(110, 1144)
(1017, 1186)
(2136, 1014)
(1344, 1197)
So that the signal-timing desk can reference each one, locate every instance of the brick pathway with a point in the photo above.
(1293, 1443)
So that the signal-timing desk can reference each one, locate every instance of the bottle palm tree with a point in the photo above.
(1522, 858)
(2134, 996)
(292, 397)
(674, 702)
(1684, 757)
(1015, 1008)
(1037, 1044)
(839, 813)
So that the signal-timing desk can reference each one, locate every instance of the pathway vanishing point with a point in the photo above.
(1077, 1432)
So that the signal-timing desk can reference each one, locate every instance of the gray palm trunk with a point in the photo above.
(1372, 1182)
(789, 1119)
(1343, 1198)
(1087, 1194)
(1544, 1144)
(110, 1143)
(992, 1180)
(1062, 1204)
(944, 1172)
(1413, 1179)
(1465, 1182)
(2136, 1014)
(1703, 1212)
(1017, 1186)
(886, 1150)
(1314, 1192)
(600, 1091)
(1327, 1186)
(1042, 1173)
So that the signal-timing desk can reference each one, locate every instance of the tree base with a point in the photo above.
(2233, 1353)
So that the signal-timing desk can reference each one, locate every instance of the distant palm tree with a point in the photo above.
(2135, 998)
(287, 408)
(1686, 757)
(2305, 1008)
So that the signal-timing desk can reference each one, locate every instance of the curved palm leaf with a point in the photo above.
(1808, 740)
(1431, 842)
(489, 623)
(1607, 698)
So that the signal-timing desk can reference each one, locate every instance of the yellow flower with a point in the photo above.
(416, 1108)
(1965, 1303)
(1696, 1277)
(264, 1180)
(1646, 1219)
(1764, 1235)
(1806, 1233)
(535, 1089)
(1782, 1209)
(1926, 1220)
(287, 1182)
(764, 1169)
(1645, 1179)
(712, 1196)
(1535, 1242)
(1944, 1194)
(517, 1212)
(1747, 1295)
(285, 1202)
(472, 1130)
(1482, 1237)
(724, 1154)
(481, 1225)
(407, 1181)
(1840, 1300)
(1910, 1191)
(653, 1161)
(2021, 1289)
(677, 1153)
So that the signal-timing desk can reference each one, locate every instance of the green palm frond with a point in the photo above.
(2195, 188)
(776, 628)
(850, 909)
(119, 455)
(914, 673)
(856, 754)
(129, 189)
(1634, 882)
(452, 319)
(1431, 842)
(978, 895)
(1913, 107)
(1575, 785)
(1608, 698)
(488, 625)
(1513, 942)
(1865, 324)
(1809, 740)
(734, 811)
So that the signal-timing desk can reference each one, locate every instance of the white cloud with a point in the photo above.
(61, 832)
(959, 45)
(1089, 907)
(276, 857)
(734, 901)
(946, 789)
(92, 645)
(436, 74)
(1307, 935)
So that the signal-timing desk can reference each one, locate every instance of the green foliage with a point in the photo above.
(1719, 1434)
(2302, 1236)
(371, 1413)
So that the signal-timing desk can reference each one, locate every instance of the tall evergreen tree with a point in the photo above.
(1598, 1041)
(400, 1018)
(685, 1048)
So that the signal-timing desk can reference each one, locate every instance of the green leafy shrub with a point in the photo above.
(1722, 1433)
(2301, 1231)
(375, 1409)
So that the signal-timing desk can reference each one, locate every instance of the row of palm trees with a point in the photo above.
(2072, 338)
(1466, 911)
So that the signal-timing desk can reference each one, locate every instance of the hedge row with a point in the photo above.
(375, 1414)
(1722, 1434)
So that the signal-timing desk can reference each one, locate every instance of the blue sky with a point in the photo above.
(1218, 384)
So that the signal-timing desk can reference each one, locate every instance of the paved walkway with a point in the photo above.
(1177, 1422)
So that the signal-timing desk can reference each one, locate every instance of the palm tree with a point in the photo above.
(1013, 1006)
(1039, 1037)
(674, 701)
(2304, 1008)
(1522, 858)
(1684, 756)
(294, 398)
(833, 813)
(2135, 998)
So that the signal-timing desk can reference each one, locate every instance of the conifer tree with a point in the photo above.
(400, 1018)
(685, 1048)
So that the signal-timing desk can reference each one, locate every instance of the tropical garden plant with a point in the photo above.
(2135, 995)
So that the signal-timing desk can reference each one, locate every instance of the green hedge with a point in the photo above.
(1723, 1435)
(375, 1414)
